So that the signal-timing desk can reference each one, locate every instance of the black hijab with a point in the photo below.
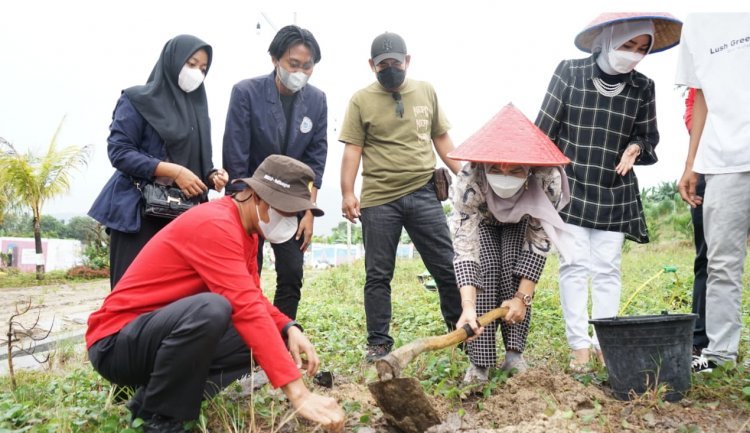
(180, 118)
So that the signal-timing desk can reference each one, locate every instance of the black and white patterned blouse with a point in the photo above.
(594, 130)
(529, 244)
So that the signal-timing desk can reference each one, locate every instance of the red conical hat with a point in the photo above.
(510, 138)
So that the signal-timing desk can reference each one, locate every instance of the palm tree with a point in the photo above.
(32, 180)
(6, 203)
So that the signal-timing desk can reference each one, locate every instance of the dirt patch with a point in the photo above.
(545, 400)
(62, 308)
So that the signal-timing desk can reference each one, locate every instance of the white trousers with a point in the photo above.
(596, 257)
(726, 220)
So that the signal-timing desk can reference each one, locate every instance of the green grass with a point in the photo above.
(73, 398)
(14, 278)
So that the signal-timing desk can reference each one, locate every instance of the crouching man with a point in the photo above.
(189, 314)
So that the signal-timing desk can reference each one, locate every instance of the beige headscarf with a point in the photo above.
(534, 202)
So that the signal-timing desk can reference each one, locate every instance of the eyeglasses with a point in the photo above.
(399, 104)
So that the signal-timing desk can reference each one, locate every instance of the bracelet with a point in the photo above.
(179, 173)
(473, 304)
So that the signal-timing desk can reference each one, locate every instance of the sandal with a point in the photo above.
(580, 361)
(574, 367)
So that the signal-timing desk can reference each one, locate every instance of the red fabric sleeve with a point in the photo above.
(689, 101)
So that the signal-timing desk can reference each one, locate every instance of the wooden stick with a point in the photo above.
(391, 365)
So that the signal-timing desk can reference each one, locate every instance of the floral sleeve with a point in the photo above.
(550, 180)
(467, 198)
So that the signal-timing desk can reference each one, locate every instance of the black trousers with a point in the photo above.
(175, 356)
(700, 271)
(288, 262)
(123, 247)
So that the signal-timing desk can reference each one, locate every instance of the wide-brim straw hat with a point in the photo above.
(510, 138)
(667, 28)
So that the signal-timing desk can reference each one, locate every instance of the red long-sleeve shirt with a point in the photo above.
(204, 250)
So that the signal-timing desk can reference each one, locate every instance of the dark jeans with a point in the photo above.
(289, 261)
(700, 340)
(421, 214)
(175, 356)
(124, 247)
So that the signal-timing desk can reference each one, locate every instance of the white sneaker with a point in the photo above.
(702, 365)
(476, 375)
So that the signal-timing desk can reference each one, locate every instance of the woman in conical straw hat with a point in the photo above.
(505, 222)
(601, 113)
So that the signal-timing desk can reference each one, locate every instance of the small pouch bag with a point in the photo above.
(442, 180)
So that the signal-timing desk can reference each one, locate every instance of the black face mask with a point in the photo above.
(391, 78)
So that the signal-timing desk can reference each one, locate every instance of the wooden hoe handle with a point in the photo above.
(390, 366)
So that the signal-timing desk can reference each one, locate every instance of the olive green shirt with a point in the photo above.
(397, 152)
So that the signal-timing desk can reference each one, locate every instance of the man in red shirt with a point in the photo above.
(188, 316)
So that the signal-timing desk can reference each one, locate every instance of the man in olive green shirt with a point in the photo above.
(392, 126)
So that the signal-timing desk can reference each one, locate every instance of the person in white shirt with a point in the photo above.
(714, 58)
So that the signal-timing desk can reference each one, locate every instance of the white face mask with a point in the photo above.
(505, 186)
(624, 61)
(294, 81)
(190, 78)
(279, 228)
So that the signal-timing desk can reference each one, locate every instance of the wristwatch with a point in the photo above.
(524, 297)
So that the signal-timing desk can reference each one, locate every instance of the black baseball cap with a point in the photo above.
(388, 46)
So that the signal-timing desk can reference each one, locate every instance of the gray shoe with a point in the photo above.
(476, 375)
(516, 366)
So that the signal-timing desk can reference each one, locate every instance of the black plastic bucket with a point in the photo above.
(644, 352)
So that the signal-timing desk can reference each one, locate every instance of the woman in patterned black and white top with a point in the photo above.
(500, 251)
(601, 113)
(504, 224)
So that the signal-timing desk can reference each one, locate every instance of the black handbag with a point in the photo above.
(164, 201)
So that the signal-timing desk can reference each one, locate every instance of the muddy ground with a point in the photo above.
(59, 308)
(540, 400)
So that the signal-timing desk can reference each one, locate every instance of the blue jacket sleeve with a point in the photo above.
(317, 151)
(131, 147)
(237, 138)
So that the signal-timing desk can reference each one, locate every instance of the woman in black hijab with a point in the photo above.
(161, 132)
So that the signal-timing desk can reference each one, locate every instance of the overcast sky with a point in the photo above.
(74, 57)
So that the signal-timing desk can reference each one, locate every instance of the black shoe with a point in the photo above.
(135, 403)
(159, 424)
(703, 365)
(377, 351)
